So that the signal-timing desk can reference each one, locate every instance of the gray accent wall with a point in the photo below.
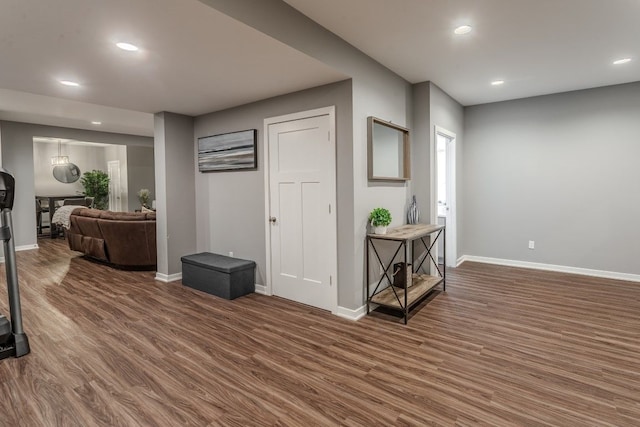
(561, 170)
(17, 157)
(231, 205)
(175, 198)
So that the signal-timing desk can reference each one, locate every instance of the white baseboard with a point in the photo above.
(21, 248)
(261, 289)
(168, 277)
(460, 260)
(551, 267)
(350, 314)
(343, 312)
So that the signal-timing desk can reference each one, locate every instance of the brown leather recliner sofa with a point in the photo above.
(122, 239)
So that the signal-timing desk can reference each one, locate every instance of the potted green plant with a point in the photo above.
(96, 185)
(380, 218)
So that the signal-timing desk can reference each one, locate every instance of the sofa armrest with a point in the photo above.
(129, 243)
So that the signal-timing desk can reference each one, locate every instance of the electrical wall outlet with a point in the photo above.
(532, 244)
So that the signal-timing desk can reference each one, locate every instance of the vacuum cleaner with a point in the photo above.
(13, 340)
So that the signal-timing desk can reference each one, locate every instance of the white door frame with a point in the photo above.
(333, 235)
(450, 231)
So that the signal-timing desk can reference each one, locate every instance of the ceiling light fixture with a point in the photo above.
(127, 46)
(497, 82)
(463, 29)
(621, 61)
(59, 159)
(69, 83)
(95, 122)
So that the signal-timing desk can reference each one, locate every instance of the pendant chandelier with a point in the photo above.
(59, 159)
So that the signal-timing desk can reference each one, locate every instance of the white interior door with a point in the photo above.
(115, 191)
(302, 221)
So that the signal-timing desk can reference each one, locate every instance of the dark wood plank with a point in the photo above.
(503, 346)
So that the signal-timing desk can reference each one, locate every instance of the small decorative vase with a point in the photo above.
(380, 229)
(413, 214)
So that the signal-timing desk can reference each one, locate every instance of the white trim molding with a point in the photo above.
(451, 179)
(21, 248)
(261, 289)
(347, 313)
(166, 278)
(551, 267)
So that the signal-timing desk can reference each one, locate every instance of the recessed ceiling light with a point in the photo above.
(69, 83)
(95, 122)
(621, 61)
(497, 82)
(127, 46)
(463, 29)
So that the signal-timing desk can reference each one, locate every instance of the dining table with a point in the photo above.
(52, 202)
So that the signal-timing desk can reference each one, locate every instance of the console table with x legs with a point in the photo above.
(417, 280)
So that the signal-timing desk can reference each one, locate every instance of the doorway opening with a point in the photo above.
(115, 186)
(444, 192)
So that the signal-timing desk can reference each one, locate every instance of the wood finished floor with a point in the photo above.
(503, 346)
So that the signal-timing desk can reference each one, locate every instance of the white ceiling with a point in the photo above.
(536, 46)
(192, 60)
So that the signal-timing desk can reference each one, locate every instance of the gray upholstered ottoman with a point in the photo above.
(218, 275)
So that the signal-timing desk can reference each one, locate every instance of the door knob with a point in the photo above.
(272, 219)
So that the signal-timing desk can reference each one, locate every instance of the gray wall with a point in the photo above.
(383, 96)
(17, 157)
(86, 157)
(420, 148)
(447, 113)
(175, 186)
(230, 205)
(140, 174)
(561, 170)
(433, 107)
(376, 91)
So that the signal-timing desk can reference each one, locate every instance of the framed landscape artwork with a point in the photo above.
(228, 151)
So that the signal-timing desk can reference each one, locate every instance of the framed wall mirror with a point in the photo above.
(66, 173)
(388, 152)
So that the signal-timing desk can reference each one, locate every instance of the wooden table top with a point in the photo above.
(408, 232)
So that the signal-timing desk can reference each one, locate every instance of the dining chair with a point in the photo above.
(88, 201)
(39, 211)
(74, 202)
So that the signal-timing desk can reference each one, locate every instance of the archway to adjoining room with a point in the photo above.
(59, 164)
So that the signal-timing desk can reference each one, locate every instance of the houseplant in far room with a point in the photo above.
(96, 185)
(144, 196)
(380, 218)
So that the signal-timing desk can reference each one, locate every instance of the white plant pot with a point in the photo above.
(380, 229)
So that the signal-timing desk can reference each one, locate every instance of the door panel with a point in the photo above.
(313, 211)
(288, 225)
